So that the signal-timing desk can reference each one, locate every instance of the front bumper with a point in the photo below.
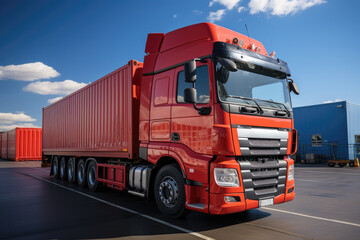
(218, 205)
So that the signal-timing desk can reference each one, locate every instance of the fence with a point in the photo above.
(329, 151)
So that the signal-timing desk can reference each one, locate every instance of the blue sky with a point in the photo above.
(67, 44)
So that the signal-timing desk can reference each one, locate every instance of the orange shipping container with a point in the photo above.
(22, 144)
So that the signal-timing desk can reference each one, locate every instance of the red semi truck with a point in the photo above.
(205, 124)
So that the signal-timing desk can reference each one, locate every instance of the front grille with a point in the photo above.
(263, 179)
(257, 141)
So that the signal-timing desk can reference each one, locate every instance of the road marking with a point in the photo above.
(128, 210)
(305, 180)
(314, 217)
(332, 173)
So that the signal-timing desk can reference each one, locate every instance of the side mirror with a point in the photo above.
(190, 71)
(293, 87)
(228, 64)
(190, 95)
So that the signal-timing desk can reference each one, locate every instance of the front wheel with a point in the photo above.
(169, 191)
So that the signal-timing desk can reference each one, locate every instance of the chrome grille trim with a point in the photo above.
(259, 141)
(263, 179)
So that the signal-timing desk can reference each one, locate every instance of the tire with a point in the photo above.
(91, 176)
(55, 166)
(342, 164)
(62, 168)
(80, 173)
(71, 170)
(169, 191)
(351, 164)
(330, 164)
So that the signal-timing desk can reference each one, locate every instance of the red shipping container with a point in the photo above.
(99, 120)
(23, 144)
(4, 145)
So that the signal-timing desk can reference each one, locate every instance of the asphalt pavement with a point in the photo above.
(34, 205)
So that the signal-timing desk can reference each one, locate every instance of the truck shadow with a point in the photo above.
(120, 223)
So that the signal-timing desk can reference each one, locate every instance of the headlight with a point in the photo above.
(291, 172)
(226, 177)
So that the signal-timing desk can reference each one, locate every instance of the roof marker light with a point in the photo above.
(257, 49)
(272, 54)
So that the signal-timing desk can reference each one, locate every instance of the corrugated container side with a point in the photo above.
(99, 120)
(24, 144)
(4, 147)
(11, 144)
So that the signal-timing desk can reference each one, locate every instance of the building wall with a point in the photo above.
(329, 120)
(353, 122)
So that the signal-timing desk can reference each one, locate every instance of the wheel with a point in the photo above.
(55, 166)
(80, 173)
(330, 164)
(91, 176)
(71, 169)
(351, 164)
(342, 164)
(63, 168)
(169, 191)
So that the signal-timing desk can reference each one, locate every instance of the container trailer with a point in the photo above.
(22, 144)
(204, 124)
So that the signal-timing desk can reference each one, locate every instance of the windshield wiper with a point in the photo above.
(245, 98)
(285, 108)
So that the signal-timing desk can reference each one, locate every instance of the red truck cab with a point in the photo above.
(233, 144)
(205, 124)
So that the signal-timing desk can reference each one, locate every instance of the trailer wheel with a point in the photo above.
(80, 173)
(330, 164)
(71, 169)
(169, 191)
(351, 164)
(62, 168)
(91, 176)
(55, 166)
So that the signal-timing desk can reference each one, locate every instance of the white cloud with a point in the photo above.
(241, 9)
(10, 118)
(216, 16)
(59, 88)
(281, 7)
(332, 101)
(4, 128)
(175, 16)
(28, 72)
(229, 4)
(52, 100)
(197, 12)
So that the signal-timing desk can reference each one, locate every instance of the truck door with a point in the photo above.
(188, 127)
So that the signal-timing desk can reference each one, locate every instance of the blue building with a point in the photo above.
(328, 131)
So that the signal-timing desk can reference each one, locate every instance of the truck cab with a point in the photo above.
(215, 106)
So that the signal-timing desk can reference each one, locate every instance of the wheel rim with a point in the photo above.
(81, 173)
(169, 191)
(92, 177)
(62, 167)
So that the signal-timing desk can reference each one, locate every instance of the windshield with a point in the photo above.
(267, 87)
